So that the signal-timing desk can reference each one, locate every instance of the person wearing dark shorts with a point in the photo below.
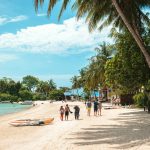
(76, 112)
(95, 107)
(67, 111)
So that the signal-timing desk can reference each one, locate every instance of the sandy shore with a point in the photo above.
(116, 129)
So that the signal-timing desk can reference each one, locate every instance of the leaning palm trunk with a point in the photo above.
(132, 31)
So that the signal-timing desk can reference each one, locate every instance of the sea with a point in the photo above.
(7, 108)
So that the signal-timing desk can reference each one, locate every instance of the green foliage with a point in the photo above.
(36, 96)
(25, 95)
(128, 70)
(52, 84)
(64, 89)
(31, 88)
(105, 11)
(148, 105)
(140, 99)
(5, 97)
(8, 97)
(30, 82)
(92, 77)
(56, 95)
(7, 85)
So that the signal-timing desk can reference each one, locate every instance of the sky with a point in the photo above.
(33, 44)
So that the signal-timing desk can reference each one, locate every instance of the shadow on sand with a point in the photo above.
(134, 130)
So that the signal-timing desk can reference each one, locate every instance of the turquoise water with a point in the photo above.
(8, 108)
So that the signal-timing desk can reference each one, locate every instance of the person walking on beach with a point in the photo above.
(99, 108)
(62, 111)
(76, 112)
(88, 107)
(67, 111)
(95, 107)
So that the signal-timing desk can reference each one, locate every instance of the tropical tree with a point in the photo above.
(120, 13)
(25, 95)
(127, 70)
(76, 84)
(43, 88)
(30, 82)
(96, 69)
(52, 84)
(64, 89)
(7, 85)
(56, 95)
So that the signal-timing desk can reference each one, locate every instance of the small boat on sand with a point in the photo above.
(31, 122)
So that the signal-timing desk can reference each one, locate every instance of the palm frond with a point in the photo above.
(51, 5)
(64, 6)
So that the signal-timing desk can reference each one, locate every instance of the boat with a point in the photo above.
(27, 103)
(32, 122)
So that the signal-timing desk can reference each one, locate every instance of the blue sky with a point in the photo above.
(33, 44)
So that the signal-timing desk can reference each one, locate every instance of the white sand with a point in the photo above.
(115, 129)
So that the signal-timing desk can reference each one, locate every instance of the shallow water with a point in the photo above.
(7, 108)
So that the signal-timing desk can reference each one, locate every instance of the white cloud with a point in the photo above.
(2, 20)
(5, 20)
(7, 57)
(67, 38)
(41, 15)
(18, 18)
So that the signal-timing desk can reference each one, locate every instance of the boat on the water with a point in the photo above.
(27, 103)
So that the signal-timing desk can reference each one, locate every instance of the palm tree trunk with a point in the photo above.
(133, 33)
(78, 94)
(94, 94)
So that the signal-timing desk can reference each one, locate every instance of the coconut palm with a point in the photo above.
(52, 85)
(120, 13)
(43, 88)
(76, 84)
(96, 69)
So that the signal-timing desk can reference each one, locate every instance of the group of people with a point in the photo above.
(65, 111)
(97, 107)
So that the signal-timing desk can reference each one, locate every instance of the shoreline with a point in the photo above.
(37, 103)
(23, 109)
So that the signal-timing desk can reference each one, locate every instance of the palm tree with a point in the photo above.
(43, 88)
(51, 84)
(92, 76)
(121, 13)
(76, 84)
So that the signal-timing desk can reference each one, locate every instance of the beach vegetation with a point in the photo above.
(25, 95)
(30, 82)
(120, 67)
(31, 88)
(127, 70)
(8, 97)
(56, 94)
(140, 99)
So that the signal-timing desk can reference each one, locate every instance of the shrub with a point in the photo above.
(56, 95)
(36, 96)
(5, 97)
(25, 95)
(140, 99)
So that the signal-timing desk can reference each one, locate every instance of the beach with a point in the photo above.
(120, 128)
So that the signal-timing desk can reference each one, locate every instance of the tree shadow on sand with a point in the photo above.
(134, 130)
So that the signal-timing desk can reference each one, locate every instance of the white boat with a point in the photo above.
(27, 103)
